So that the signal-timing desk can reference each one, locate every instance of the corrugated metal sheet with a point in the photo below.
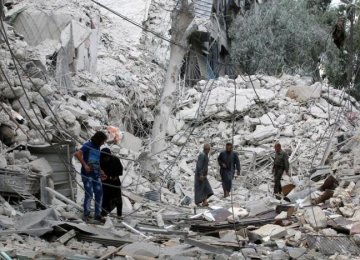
(203, 8)
(59, 158)
(22, 182)
(333, 245)
(215, 227)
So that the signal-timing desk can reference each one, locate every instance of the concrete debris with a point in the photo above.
(315, 217)
(131, 142)
(141, 248)
(272, 231)
(83, 74)
(303, 92)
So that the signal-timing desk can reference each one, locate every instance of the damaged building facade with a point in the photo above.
(209, 54)
(63, 42)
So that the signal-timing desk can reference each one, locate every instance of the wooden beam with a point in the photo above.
(63, 198)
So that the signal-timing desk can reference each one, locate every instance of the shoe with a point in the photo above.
(100, 219)
(86, 218)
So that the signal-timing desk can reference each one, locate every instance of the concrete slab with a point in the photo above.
(315, 217)
(131, 142)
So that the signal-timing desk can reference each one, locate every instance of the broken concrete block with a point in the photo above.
(94, 123)
(75, 129)
(131, 142)
(12, 93)
(328, 232)
(355, 228)
(237, 256)
(67, 116)
(174, 126)
(315, 217)
(258, 206)
(318, 112)
(185, 168)
(5, 221)
(46, 90)
(296, 253)
(79, 113)
(357, 239)
(29, 204)
(356, 216)
(274, 231)
(141, 249)
(288, 131)
(347, 211)
(41, 165)
(231, 219)
(279, 255)
(179, 139)
(251, 121)
(18, 155)
(248, 253)
(304, 93)
(268, 119)
(262, 132)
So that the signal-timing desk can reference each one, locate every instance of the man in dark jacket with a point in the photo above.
(202, 186)
(229, 162)
(281, 165)
(112, 168)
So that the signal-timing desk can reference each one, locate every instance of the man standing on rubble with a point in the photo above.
(203, 190)
(229, 162)
(89, 157)
(281, 165)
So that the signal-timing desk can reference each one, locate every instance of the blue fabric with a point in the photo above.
(92, 186)
(91, 155)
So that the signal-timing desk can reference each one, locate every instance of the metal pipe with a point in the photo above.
(63, 198)
(134, 230)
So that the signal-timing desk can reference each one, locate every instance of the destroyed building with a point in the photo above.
(70, 69)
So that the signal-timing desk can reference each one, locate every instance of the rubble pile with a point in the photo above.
(307, 119)
(115, 86)
(77, 76)
(122, 92)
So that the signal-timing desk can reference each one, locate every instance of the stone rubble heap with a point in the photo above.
(316, 124)
(291, 110)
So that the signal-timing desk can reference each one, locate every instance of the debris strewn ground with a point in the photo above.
(59, 99)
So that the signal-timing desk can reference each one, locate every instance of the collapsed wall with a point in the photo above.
(37, 108)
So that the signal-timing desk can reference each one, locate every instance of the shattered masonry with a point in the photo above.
(87, 76)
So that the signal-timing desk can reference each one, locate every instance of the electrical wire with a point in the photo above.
(3, 32)
(4, 35)
(197, 116)
(172, 43)
(25, 111)
(232, 186)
